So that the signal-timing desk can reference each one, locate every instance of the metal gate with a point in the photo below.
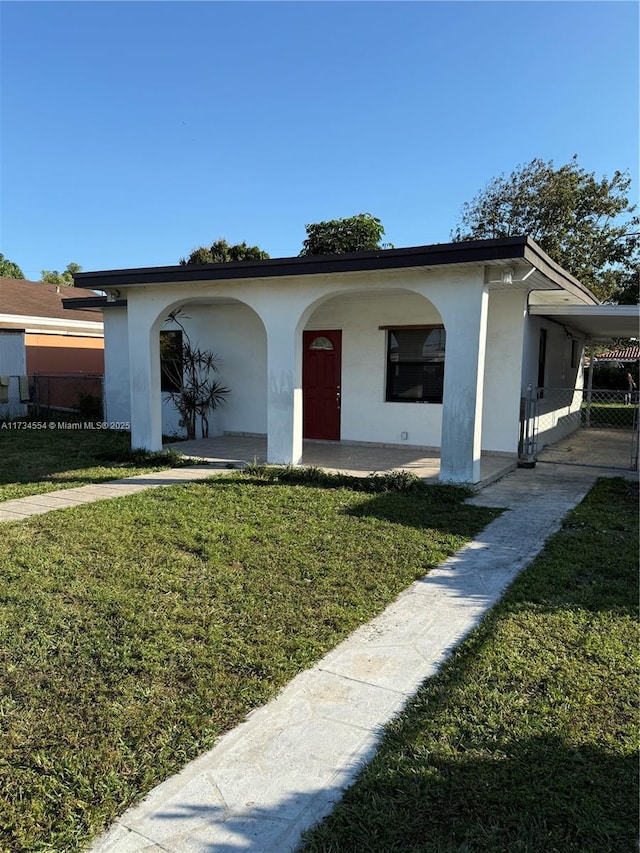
(579, 426)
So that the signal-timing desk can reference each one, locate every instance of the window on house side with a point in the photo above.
(542, 362)
(170, 360)
(415, 365)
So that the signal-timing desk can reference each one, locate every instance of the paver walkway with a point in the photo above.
(19, 508)
(282, 770)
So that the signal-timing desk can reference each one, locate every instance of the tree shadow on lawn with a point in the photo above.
(29, 456)
(539, 794)
(535, 795)
(410, 502)
(587, 567)
(53, 457)
(432, 509)
(525, 741)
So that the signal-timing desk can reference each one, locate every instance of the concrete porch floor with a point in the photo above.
(358, 460)
(596, 447)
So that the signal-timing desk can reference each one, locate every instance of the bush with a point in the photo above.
(145, 457)
(610, 377)
(89, 406)
(391, 481)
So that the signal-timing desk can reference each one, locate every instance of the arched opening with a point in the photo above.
(234, 335)
(373, 368)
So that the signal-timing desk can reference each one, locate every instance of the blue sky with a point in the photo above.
(133, 132)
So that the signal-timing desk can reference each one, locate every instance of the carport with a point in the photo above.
(601, 426)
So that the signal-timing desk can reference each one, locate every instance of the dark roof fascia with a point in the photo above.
(553, 271)
(439, 254)
(84, 303)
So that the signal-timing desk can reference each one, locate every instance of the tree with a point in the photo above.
(196, 392)
(624, 283)
(8, 269)
(337, 236)
(65, 278)
(221, 252)
(583, 223)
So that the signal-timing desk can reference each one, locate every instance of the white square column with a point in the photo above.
(466, 327)
(503, 370)
(144, 377)
(284, 393)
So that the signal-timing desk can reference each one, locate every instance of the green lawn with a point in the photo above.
(609, 415)
(134, 631)
(37, 461)
(528, 738)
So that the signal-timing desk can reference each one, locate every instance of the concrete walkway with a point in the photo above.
(19, 508)
(281, 771)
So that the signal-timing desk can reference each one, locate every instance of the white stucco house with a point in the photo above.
(431, 346)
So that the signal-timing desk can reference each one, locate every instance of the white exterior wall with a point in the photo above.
(365, 416)
(503, 371)
(117, 407)
(236, 335)
(13, 359)
(13, 364)
(558, 408)
(558, 372)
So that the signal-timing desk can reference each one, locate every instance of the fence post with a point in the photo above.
(528, 459)
(36, 394)
(592, 364)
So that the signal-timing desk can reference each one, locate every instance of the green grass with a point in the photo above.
(527, 740)
(37, 461)
(609, 414)
(135, 631)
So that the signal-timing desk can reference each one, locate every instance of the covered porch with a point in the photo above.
(355, 459)
(427, 346)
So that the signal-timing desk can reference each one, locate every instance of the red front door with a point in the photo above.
(321, 384)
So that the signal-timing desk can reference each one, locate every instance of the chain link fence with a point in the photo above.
(15, 397)
(39, 396)
(580, 426)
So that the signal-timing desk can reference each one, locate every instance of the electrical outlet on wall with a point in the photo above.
(404, 436)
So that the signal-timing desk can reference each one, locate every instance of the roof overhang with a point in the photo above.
(594, 322)
(524, 261)
(90, 303)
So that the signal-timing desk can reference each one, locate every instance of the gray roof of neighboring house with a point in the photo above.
(23, 298)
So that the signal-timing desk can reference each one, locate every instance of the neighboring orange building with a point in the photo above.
(57, 341)
(47, 354)
(63, 350)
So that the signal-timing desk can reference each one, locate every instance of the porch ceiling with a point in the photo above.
(595, 322)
